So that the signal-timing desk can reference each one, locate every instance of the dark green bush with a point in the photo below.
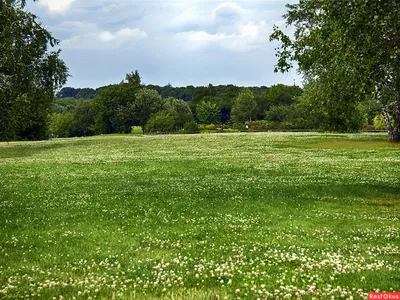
(191, 127)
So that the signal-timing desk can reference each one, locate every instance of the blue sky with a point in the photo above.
(186, 42)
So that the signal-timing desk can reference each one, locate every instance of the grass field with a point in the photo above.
(212, 216)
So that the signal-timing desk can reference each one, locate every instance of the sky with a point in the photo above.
(182, 42)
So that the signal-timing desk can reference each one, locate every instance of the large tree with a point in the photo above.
(244, 108)
(29, 73)
(207, 112)
(351, 46)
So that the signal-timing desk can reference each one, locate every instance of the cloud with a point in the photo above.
(229, 11)
(247, 37)
(124, 34)
(190, 20)
(96, 38)
(57, 6)
(228, 26)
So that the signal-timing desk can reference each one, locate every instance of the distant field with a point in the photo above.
(200, 217)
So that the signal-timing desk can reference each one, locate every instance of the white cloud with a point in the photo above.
(228, 26)
(104, 39)
(247, 37)
(57, 6)
(124, 34)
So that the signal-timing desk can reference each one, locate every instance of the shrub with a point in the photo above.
(161, 122)
(210, 127)
(137, 130)
(257, 125)
(230, 130)
(191, 127)
(239, 127)
(379, 122)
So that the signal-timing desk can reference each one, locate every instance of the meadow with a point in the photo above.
(211, 216)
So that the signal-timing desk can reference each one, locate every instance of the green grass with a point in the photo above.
(200, 216)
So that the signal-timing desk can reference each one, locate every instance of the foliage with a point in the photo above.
(146, 103)
(160, 122)
(257, 125)
(244, 108)
(277, 113)
(191, 127)
(133, 78)
(65, 105)
(331, 109)
(84, 118)
(120, 106)
(281, 94)
(112, 112)
(180, 110)
(137, 130)
(29, 73)
(379, 122)
(78, 93)
(61, 125)
(347, 47)
(207, 112)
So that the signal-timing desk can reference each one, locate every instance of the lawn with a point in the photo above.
(212, 216)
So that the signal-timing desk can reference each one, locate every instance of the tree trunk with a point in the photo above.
(396, 127)
(396, 117)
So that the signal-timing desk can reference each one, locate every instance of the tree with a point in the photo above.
(134, 78)
(281, 94)
(84, 118)
(330, 108)
(244, 108)
(180, 110)
(29, 74)
(146, 103)
(347, 46)
(112, 107)
(162, 122)
(61, 125)
(207, 112)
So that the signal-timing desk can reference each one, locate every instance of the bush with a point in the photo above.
(257, 125)
(379, 122)
(137, 130)
(239, 127)
(191, 127)
(210, 127)
(230, 130)
(161, 122)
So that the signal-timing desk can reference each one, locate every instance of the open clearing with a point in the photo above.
(200, 216)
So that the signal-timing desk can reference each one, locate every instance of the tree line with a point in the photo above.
(119, 107)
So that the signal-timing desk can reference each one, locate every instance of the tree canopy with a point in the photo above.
(347, 46)
(29, 73)
(244, 108)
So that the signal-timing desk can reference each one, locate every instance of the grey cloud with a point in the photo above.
(185, 42)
